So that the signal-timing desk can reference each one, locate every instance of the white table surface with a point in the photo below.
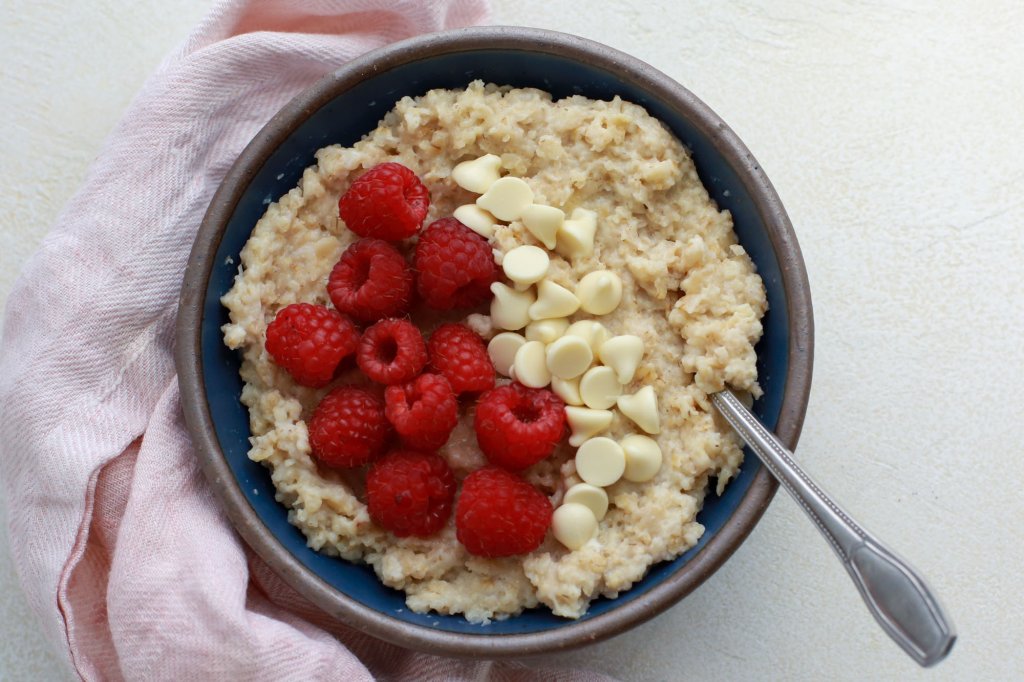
(894, 136)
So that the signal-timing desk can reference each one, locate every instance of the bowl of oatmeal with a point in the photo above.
(650, 264)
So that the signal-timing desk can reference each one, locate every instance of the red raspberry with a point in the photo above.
(388, 201)
(309, 341)
(410, 493)
(424, 411)
(454, 265)
(518, 426)
(392, 352)
(499, 514)
(348, 427)
(461, 356)
(371, 281)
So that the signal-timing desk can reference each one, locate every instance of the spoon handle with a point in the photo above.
(897, 596)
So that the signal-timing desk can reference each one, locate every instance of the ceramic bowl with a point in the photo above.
(341, 108)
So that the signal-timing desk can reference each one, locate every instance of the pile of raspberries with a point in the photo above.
(410, 489)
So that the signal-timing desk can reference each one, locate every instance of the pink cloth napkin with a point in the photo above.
(124, 553)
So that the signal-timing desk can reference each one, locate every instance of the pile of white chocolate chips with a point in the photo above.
(583, 364)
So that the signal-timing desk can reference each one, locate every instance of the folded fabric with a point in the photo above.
(124, 553)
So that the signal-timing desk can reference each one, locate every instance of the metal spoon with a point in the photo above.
(897, 596)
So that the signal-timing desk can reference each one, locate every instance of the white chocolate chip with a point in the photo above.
(643, 458)
(506, 199)
(569, 357)
(576, 235)
(642, 408)
(593, 498)
(502, 351)
(477, 175)
(476, 219)
(543, 223)
(599, 292)
(530, 366)
(599, 388)
(573, 525)
(593, 331)
(600, 461)
(510, 309)
(481, 324)
(546, 331)
(567, 389)
(553, 300)
(525, 265)
(623, 354)
(586, 423)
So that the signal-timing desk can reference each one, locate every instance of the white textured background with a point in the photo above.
(894, 132)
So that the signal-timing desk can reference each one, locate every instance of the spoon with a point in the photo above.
(897, 596)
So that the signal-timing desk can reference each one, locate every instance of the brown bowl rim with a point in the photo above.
(573, 634)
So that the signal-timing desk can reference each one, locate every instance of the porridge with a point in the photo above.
(671, 287)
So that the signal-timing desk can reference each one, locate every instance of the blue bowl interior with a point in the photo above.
(345, 120)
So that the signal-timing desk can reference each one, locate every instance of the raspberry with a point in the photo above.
(392, 352)
(309, 341)
(454, 265)
(424, 411)
(518, 426)
(348, 427)
(499, 514)
(371, 281)
(388, 202)
(410, 493)
(460, 355)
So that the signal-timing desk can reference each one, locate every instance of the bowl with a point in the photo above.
(342, 107)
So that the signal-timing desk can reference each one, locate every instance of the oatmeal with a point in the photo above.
(685, 288)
